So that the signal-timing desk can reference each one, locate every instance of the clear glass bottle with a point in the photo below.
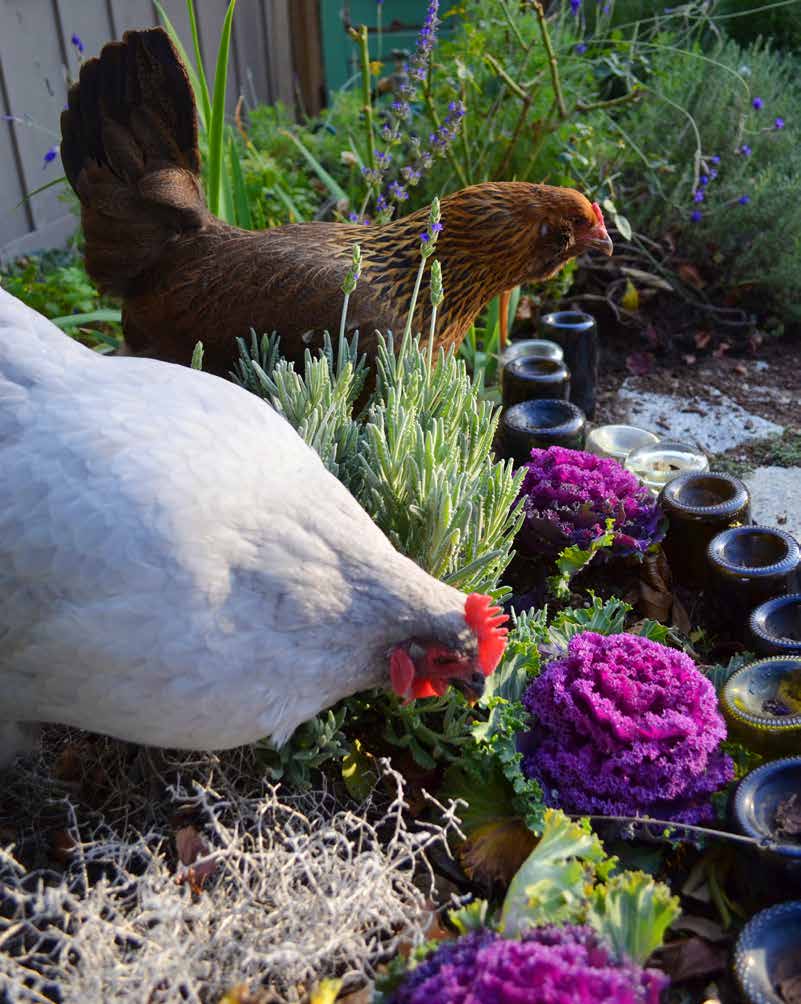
(698, 507)
(530, 377)
(655, 464)
(618, 441)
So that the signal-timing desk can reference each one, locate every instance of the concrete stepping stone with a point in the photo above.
(715, 423)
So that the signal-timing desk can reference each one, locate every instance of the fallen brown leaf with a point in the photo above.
(788, 816)
(689, 273)
(190, 846)
(693, 958)
(494, 852)
(363, 996)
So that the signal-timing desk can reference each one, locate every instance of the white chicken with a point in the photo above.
(177, 567)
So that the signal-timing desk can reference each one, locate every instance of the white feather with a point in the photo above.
(177, 567)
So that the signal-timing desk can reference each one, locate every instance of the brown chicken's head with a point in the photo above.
(517, 232)
(428, 668)
(561, 224)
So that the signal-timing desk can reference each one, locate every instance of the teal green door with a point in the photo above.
(400, 21)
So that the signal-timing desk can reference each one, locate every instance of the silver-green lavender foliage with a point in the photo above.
(419, 459)
(319, 403)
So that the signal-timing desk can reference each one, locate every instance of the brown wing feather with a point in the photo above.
(129, 148)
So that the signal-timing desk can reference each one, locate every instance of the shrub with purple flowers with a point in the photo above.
(626, 726)
(548, 965)
(569, 496)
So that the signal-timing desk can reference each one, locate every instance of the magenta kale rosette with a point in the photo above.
(626, 726)
(548, 965)
(568, 497)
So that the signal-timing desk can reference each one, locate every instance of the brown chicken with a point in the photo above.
(129, 148)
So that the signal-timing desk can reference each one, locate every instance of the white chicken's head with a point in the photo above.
(426, 668)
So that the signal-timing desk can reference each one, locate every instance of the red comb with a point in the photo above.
(486, 622)
(598, 214)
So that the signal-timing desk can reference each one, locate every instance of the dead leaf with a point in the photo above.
(190, 846)
(524, 309)
(495, 851)
(788, 816)
(680, 618)
(640, 363)
(742, 369)
(434, 932)
(69, 765)
(62, 845)
(693, 958)
(689, 273)
(363, 996)
(656, 594)
(721, 350)
(790, 990)
(702, 339)
(631, 298)
(646, 279)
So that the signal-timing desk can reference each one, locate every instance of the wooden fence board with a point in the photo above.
(90, 22)
(34, 75)
(37, 59)
(132, 14)
(15, 220)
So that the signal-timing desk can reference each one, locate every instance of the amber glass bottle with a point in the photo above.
(577, 333)
(698, 507)
(748, 565)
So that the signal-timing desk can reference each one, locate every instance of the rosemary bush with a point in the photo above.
(720, 140)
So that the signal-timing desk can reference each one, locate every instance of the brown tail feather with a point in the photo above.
(129, 149)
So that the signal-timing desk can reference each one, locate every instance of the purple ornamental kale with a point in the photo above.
(626, 727)
(569, 495)
(548, 965)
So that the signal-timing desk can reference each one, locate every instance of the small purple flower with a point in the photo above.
(713, 174)
(580, 49)
(715, 159)
(698, 196)
(696, 216)
(778, 122)
(575, 7)
(50, 156)
(744, 200)
(745, 150)
(353, 217)
(704, 180)
(757, 103)
(76, 41)
(398, 192)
